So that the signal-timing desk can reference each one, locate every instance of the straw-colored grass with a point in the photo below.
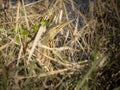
(77, 48)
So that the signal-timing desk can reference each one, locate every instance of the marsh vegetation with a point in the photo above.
(60, 45)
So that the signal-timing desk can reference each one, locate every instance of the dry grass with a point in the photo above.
(77, 50)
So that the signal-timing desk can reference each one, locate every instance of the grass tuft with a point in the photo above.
(60, 45)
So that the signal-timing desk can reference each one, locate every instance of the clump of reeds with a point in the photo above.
(76, 50)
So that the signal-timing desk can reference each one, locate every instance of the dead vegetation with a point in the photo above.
(79, 49)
